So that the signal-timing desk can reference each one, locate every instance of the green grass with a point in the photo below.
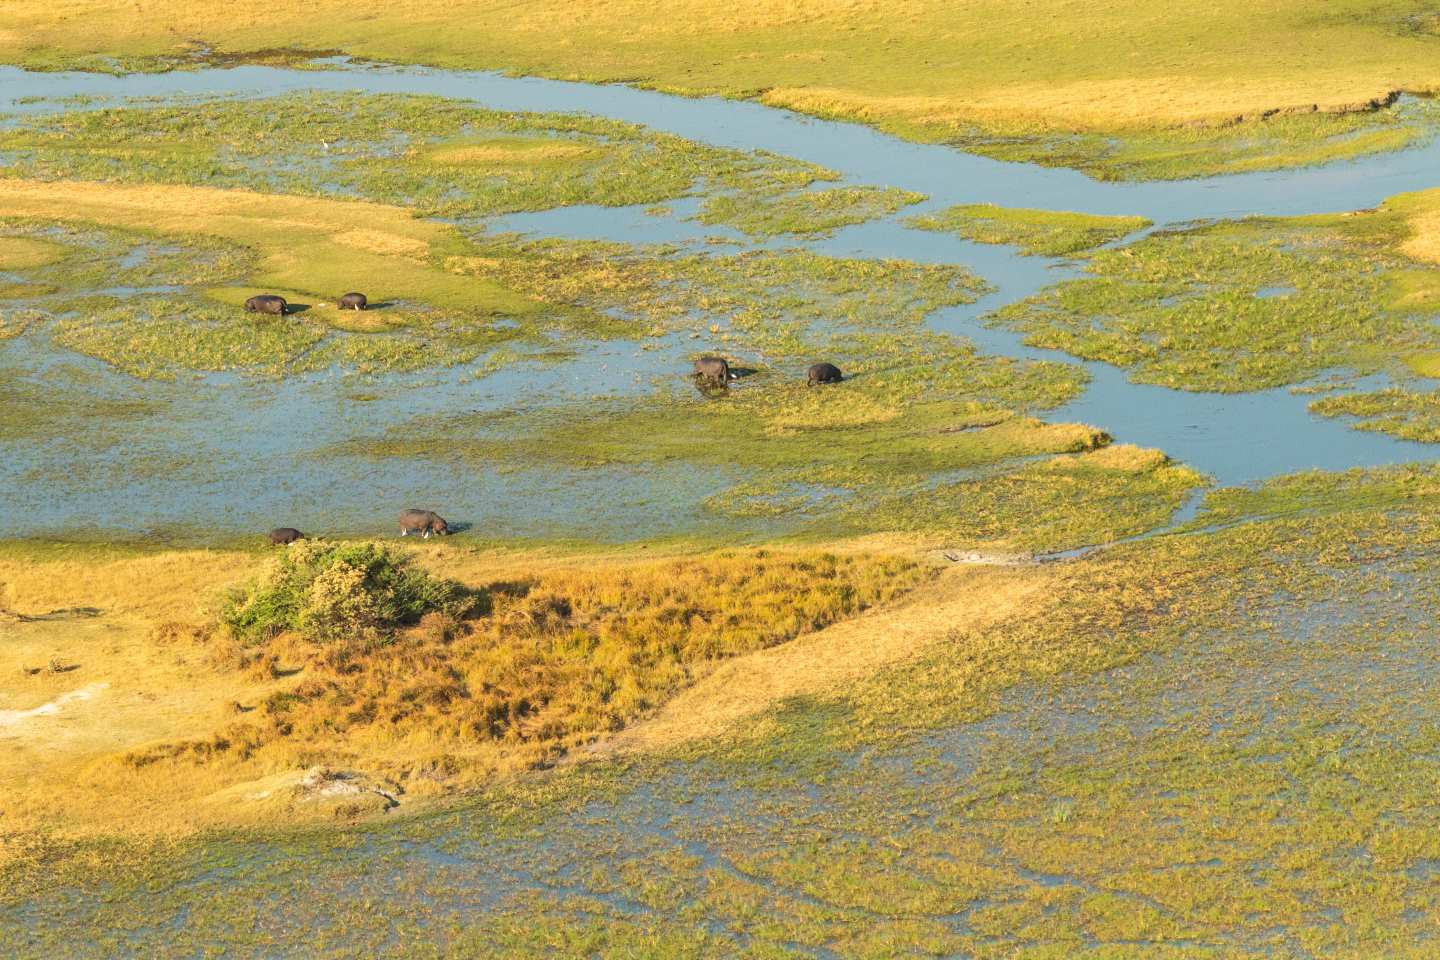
(1055, 504)
(1188, 309)
(1037, 232)
(1400, 412)
(812, 212)
(1249, 145)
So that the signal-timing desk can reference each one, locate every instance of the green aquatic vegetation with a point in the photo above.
(161, 337)
(1251, 144)
(1235, 306)
(1399, 411)
(1321, 493)
(772, 301)
(1038, 232)
(34, 411)
(813, 212)
(168, 336)
(1054, 504)
(445, 158)
(915, 404)
(51, 257)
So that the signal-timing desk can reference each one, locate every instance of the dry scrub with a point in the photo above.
(187, 723)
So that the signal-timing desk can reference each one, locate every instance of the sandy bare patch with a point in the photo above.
(965, 598)
(12, 718)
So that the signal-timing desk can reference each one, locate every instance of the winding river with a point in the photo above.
(242, 449)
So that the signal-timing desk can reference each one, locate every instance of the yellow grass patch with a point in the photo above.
(320, 248)
(826, 663)
(1424, 242)
(20, 253)
(510, 153)
(385, 244)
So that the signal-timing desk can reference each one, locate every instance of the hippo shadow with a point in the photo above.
(459, 527)
(740, 373)
(296, 308)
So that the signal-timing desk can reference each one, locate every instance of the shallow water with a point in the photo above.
(253, 438)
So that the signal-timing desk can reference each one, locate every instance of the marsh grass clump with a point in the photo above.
(812, 212)
(1081, 499)
(443, 157)
(1401, 412)
(340, 592)
(1188, 309)
(1207, 148)
(1040, 232)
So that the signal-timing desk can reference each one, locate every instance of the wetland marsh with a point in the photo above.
(701, 674)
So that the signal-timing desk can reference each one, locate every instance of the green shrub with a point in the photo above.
(330, 592)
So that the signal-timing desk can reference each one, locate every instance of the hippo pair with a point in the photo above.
(424, 522)
(717, 370)
(276, 305)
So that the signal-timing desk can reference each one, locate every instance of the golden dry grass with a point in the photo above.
(137, 692)
(827, 662)
(922, 63)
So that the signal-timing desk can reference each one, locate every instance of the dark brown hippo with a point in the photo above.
(714, 370)
(283, 535)
(823, 373)
(423, 521)
(267, 303)
(353, 301)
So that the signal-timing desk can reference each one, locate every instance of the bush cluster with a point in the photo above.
(333, 592)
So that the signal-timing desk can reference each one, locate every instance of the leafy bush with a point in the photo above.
(331, 592)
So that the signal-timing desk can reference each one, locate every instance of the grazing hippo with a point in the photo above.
(713, 369)
(824, 373)
(267, 303)
(283, 535)
(426, 521)
(353, 301)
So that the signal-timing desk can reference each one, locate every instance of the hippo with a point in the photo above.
(713, 369)
(267, 303)
(824, 373)
(284, 535)
(428, 521)
(353, 301)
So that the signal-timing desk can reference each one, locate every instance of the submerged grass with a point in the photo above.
(813, 212)
(1039, 232)
(1246, 305)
